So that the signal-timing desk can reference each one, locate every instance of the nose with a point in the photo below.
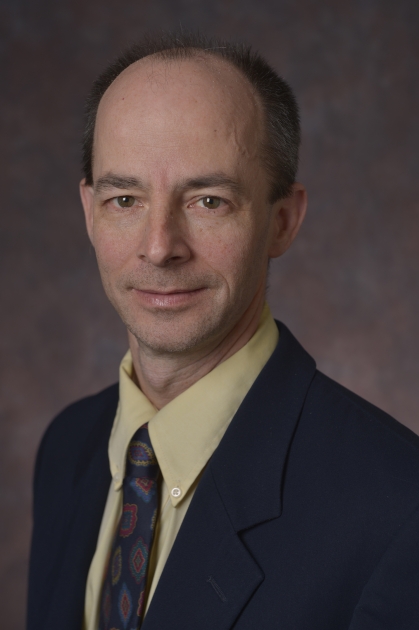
(164, 238)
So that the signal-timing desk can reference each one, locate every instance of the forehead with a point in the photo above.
(166, 106)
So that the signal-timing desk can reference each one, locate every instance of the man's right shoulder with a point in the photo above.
(75, 426)
(81, 415)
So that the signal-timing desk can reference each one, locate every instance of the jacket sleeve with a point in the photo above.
(390, 599)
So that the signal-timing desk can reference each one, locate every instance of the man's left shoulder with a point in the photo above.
(354, 425)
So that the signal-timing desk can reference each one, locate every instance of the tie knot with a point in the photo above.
(141, 460)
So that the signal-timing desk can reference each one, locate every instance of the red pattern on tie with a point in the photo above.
(122, 600)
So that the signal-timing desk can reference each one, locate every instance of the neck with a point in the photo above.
(162, 378)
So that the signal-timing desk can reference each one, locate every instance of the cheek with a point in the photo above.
(112, 249)
(232, 251)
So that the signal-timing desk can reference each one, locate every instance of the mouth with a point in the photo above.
(168, 298)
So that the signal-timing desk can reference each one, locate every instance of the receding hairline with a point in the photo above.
(195, 55)
(279, 108)
(255, 104)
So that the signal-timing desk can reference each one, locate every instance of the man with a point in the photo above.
(226, 483)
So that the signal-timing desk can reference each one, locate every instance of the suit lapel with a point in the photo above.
(210, 576)
(249, 463)
(91, 484)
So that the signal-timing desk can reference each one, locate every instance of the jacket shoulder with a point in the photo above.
(69, 431)
(360, 437)
(349, 400)
(79, 415)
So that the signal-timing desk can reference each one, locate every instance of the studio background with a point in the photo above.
(348, 288)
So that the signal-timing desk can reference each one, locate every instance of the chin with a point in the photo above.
(177, 335)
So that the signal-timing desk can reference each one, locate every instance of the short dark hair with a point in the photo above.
(282, 123)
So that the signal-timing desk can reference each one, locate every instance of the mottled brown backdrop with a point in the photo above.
(348, 288)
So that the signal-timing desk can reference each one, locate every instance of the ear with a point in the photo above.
(86, 194)
(287, 217)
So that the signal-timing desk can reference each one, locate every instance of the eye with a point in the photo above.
(211, 202)
(125, 201)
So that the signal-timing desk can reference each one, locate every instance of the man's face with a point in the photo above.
(178, 213)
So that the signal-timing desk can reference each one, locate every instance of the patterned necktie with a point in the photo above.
(122, 602)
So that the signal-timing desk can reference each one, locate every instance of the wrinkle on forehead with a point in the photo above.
(171, 93)
(163, 121)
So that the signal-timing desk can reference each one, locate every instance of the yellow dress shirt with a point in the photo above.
(184, 435)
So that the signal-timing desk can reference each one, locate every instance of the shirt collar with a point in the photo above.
(186, 432)
(134, 410)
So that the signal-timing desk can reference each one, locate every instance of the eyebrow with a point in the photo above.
(212, 180)
(117, 181)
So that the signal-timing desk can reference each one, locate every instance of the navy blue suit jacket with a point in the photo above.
(306, 517)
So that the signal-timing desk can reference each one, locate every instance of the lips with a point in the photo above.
(170, 291)
(168, 298)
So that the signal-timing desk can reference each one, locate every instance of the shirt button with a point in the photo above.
(176, 492)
